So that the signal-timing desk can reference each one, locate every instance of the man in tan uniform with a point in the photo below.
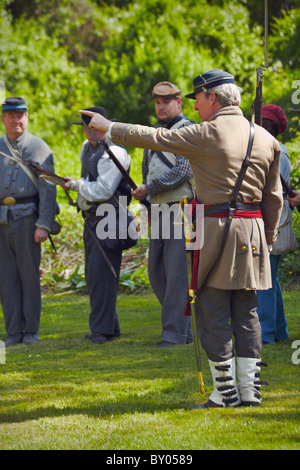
(226, 305)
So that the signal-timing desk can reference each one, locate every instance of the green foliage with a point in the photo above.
(63, 55)
(286, 37)
(289, 270)
(154, 40)
(134, 279)
(35, 66)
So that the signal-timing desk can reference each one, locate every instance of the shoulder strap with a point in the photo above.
(164, 159)
(175, 125)
(244, 166)
(232, 203)
(17, 157)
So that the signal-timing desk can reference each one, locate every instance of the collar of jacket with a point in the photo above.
(227, 111)
(19, 140)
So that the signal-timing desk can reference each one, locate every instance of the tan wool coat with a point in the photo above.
(216, 150)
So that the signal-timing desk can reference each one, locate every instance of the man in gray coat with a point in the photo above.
(27, 212)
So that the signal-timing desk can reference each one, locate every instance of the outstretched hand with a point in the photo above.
(98, 121)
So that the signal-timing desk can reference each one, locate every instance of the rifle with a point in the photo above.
(120, 167)
(50, 177)
(288, 191)
(37, 170)
(257, 104)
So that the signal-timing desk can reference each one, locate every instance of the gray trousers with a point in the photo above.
(20, 292)
(227, 321)
(167, 270)
(102, 287)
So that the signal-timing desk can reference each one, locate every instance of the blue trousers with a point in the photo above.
(270, 308)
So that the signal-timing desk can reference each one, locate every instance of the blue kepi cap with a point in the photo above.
(209, 80)
(14, 104)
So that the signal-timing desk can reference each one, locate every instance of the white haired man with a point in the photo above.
(226, 301)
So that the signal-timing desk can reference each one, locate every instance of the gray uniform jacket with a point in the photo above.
(15, 183)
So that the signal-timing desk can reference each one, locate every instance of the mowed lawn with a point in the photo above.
(67, 393)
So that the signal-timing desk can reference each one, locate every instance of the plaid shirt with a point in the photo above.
(172, 178)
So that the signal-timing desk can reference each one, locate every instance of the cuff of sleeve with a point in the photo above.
(74, 186)
(109, 130)
(150, 188)
(271, 236)
(43, 227)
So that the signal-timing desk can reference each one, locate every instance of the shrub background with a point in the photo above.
(68, 54)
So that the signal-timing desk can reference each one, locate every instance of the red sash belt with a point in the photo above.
(247, 210)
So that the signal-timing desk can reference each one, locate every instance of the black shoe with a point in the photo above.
(162, 344)
(30, 338)
(208, 404)
(13, 339)
(96, 338)
(250, 403)
(115, 336)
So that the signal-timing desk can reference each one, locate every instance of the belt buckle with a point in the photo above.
(9, 201)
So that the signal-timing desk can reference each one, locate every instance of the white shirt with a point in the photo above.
(109, 177)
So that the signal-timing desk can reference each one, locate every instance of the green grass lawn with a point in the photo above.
(67, 393)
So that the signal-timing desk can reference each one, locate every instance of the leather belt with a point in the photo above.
(11, 201)
(240, 206)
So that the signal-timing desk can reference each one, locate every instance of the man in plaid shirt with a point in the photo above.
(166, 179)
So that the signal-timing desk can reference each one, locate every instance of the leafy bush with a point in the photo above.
(64, 269)
(62, 55)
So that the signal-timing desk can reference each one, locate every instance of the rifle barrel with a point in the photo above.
(120, 167)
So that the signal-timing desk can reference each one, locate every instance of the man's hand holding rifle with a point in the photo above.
(294, 199)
